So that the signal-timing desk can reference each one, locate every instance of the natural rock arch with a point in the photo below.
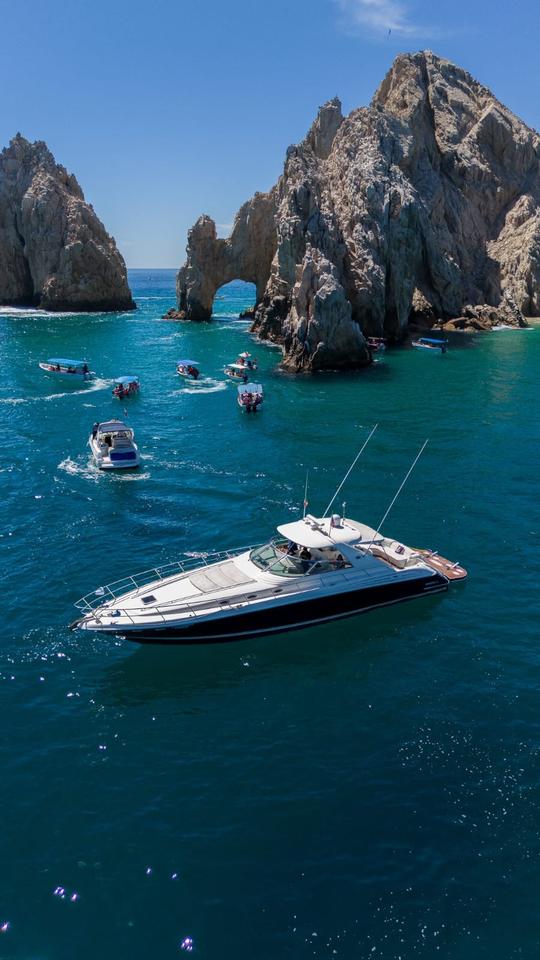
(246, 255)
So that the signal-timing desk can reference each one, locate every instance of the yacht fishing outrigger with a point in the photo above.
(315, 570)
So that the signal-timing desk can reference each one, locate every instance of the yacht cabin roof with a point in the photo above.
(112, 426)
(319, 533)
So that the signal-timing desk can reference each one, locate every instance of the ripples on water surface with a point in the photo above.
(367, 789)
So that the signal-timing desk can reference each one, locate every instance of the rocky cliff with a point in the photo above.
(422, 207)
(54, 251)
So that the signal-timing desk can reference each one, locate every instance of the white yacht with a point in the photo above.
(113, 446)
(315, 570)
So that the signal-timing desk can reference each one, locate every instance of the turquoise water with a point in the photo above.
(365, 789)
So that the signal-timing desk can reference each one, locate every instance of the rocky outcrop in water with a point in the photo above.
(54, 251)
(418, 209)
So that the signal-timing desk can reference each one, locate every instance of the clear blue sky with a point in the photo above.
(169, 109)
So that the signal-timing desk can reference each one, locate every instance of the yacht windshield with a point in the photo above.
(289, 560)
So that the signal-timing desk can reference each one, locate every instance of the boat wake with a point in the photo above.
(204, 385)
(88, 470)
(97, 384)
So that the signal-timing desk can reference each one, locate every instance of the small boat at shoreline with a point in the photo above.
(250, 397)
(376, 344)
(113, 446)
(429, 343)
(125, 387)
(74, 370)
(188, 369)
(315, 570)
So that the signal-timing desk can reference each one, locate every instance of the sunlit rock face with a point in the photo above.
(416, 209)
(54, 251)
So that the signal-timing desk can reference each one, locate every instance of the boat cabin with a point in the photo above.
(315, 546)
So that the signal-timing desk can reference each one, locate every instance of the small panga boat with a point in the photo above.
(250, 397)
(113, 446)
(188, 369)
(236, 371)
(68, 369)
(246, 360)
(125, 387)
(429, 343)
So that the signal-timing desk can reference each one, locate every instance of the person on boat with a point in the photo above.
(95, 429)
(85, 368)
(340, 562)
(306, 558)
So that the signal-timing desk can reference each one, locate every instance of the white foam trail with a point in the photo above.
(91, 387)
(87, 470)
(206, 385)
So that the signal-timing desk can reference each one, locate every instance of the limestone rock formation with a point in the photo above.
(54, 251)
(416, 209)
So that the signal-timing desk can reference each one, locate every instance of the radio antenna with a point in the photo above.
(351, 468)
(403, 482)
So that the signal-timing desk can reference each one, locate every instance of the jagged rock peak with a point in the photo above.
(413, 210)
(324, 128)
(54, 251)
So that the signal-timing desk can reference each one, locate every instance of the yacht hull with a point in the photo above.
(282, 618)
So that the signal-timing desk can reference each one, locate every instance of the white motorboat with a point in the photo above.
(315, 570)
(75, 370)
(188, 369)
(430, 344)
(250, 397)
(236, 371)
(113, 446)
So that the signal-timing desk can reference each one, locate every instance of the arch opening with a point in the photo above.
(234, 298)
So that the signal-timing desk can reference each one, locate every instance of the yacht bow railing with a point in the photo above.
(139, 581)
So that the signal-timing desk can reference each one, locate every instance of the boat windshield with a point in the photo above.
(289, 560)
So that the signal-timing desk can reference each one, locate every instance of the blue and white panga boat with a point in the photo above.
(250, 396)
(113, 446)
(125, 387)
(428, 343)
(315, 570)
(70, 369)
(188, 368)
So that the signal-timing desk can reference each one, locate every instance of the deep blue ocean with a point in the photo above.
(368, 789)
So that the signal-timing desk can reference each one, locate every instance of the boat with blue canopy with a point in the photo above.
(125, 387)
(188, 369)
(429, 343)
(250, 396)
(67, 368)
